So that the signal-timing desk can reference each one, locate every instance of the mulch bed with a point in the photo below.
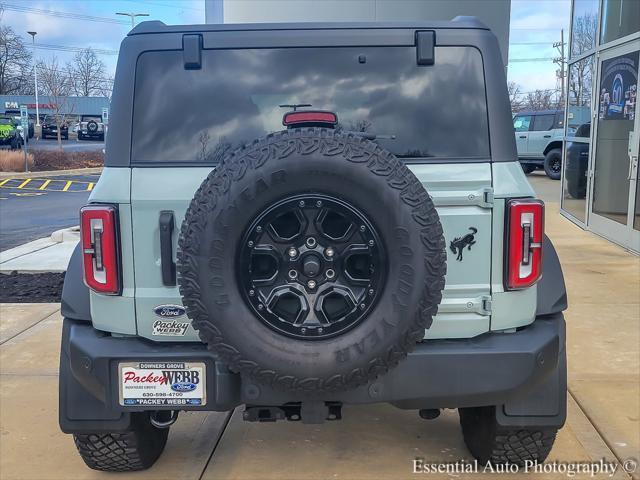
(31, 287)
(45, 160)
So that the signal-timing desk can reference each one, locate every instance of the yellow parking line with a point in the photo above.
(44, 185)
(5, 181)
(66, 187)
(24, 183)
(90, 186)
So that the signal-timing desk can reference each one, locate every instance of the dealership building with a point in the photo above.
(600, 186)
(72, 107)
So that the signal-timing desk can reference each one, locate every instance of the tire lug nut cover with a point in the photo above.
(311, 284)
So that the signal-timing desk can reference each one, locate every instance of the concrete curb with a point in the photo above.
(49, 254)
(52, 173)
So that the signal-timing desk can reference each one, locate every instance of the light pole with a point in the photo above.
(35, 75)
(133, 17)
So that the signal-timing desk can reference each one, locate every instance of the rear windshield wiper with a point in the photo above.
(373, 136)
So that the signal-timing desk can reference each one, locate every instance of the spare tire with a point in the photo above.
(311, 260)
(92, 126)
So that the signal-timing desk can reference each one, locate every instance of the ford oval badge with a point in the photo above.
(169, 311)
(183, 387)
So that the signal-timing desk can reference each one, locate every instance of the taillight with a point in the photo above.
(525, 231)
(98, 233)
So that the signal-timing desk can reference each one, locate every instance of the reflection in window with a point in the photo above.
(521, 123)
(415, 111)
(542, 123)
(579, 97)
(619, 19)
(574, 190)
(583, 26)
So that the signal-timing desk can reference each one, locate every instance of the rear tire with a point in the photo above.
(129, 451)
(553, 164)
(489, 442)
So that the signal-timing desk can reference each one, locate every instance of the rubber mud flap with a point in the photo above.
(233, 311)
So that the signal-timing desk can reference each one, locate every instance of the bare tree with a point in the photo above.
(15, 63)
(583, 34)
(514, 96)
(88, 73)
(541, 100)
(56, 83)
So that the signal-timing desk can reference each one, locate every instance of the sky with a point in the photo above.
(534, 23)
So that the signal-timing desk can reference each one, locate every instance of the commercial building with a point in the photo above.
(493, 13)
(72, 107)
(600, 183)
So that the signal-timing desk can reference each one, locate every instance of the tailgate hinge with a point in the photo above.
(485, 305)
(487, 197)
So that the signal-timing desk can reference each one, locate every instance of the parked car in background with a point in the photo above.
(539, 140)
(9, 133)
(91, 128)
(50, 128)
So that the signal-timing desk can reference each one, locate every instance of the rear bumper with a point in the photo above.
(512, 370)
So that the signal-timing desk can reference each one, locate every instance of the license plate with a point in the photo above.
(162, 384)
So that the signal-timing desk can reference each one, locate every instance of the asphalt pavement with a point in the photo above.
(70, 145)
(35, 207)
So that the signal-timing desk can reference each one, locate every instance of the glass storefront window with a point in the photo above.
(619, 19)
(584, 23)
(574, 190)
(579, 97)
(578, 126)
(616, 118)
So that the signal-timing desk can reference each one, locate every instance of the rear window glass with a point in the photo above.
(199, 115)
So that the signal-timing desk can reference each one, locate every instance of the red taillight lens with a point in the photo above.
(309, 117)
(525, 232)
(98, 233)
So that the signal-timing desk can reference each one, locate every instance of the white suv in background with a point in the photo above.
(91, 127)
(539, 140)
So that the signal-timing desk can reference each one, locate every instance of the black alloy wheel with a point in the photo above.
(311, 266)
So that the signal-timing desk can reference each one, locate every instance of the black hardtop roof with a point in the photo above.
(460, 22)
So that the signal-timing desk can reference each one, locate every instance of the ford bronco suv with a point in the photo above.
(90, 127)
(539, 136)
(322, 228)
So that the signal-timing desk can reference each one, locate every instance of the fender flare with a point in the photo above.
(75, 294)
(552, 293)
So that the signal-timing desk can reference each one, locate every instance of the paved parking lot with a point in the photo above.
(34, 207)
(377, 441)
(71, 145)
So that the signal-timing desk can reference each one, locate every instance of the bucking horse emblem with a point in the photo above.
(457, 244)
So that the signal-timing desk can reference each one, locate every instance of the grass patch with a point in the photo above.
(13, 161)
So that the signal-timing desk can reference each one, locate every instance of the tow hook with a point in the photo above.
(159, 418)
(429, 413)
